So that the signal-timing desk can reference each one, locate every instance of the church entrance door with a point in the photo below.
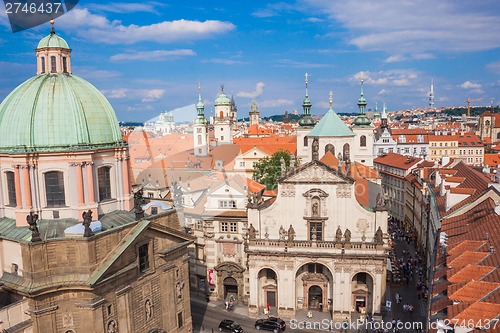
(315, 297)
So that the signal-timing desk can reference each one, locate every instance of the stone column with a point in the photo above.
(27, 187)
(79, 183)
(126, 180)
(17, 183)
(90, 182)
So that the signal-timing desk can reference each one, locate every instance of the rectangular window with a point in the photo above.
(233, 227)
(42, 59)
(316, 231)
(242, 164)
(11, 188)
(53, 68)
(144, 257)
(54, 189)
(199, 224)
(200, 252)
(65, 65)
(180, 323)
(224, 227)
(227, 204)
(104, 180)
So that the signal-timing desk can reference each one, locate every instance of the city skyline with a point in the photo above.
(148, 57)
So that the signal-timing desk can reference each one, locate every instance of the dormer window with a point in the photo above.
(53, 68)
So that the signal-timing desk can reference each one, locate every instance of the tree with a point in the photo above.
(269, 169)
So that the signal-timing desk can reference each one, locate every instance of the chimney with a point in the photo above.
(442, 190)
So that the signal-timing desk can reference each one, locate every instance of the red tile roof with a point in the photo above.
(471, 272)
(478, 313)
(473, 291)
(397, 161)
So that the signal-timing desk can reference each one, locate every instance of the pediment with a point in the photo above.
(314, 172)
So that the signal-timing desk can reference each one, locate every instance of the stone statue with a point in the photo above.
(282, 233)
(251, 232)
(179, 287)
(313, 234)
(291, 233)
(379, 237)
(111, 327)
(35, 234)
(348, 168)
(315, 209)
(380, 201)
(138, 200)
(87, 219)
(347, 235)
(283, 166)
(149, 309)
(338, 235)
(315, 149)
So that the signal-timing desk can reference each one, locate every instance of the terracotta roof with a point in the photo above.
(468, 245)
(440, 304)
(466, 258)
(473, 291)
(492, 160)
(468, 191)
(471, 272)
(454, 179)
(479, 313)
(443, 138)
(397, 161)
(470, 140)
(407, 131)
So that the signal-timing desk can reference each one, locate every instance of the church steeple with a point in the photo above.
(254, 114)
(200, 108)
(200, 128)
(362, 119)
(384, 117)
(306, 119)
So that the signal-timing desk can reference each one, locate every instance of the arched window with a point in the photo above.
(53, 68)
(42, 59)
(331, 148)
(104, 180)
(487, 123)
(199, 139)
(346, 152)
(11, 188)
(362, 141)
(221, 114)
(54, 189)
(305, 141)
(498, 136)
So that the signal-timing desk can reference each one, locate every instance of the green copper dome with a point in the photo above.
(52, 41)
(57, 112)
(362, 120)
(222, 99)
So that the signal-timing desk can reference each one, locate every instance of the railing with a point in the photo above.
(14, 314)
(315, 244)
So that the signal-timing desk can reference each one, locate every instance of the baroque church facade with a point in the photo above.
(316, 246)
(74, 256)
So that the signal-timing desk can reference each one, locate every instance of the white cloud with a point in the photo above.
(300, 64)
(98, 28)
(276, 103)
(470, 85)
(259, 89)
(123, 7)
(416, 26)
(224, 61)
(152, 95)
(423, 56)
(157, 55)
(395, 58)
(314, 19)
(396, 77)
(146, 95)
(383, 92)
(494, 67)
(92, 73)
(274, 9)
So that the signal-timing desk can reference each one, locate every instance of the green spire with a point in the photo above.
(362, 120)
(200, 107)
(306, 119)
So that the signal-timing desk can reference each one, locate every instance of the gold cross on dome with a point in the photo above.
(331, 98)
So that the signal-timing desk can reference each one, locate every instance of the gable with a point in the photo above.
(316, 172)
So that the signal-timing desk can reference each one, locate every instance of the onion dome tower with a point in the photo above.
(363, 143)
(200, 129)
(223, 120)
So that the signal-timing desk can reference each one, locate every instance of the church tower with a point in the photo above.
(225, 112)
(362, 128)
(200, 129)
(306, 124)
(254, 114)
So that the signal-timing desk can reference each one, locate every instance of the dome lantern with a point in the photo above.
(53, 54)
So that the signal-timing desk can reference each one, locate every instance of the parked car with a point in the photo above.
(271, 324)
(231, 326)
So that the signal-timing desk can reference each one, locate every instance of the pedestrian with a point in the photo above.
(268, 307)
(227, 305)
(320, 307)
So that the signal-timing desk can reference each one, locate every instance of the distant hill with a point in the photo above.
(474, 111)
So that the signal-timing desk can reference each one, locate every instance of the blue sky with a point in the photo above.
(148, 57)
